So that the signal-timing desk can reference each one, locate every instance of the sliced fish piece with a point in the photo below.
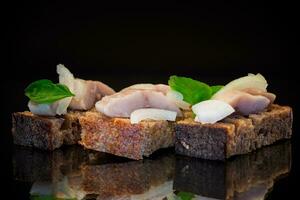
(244, 102)
(251, 81)
(148, 86)
(123, 103)
(86, 92)
(254, 91)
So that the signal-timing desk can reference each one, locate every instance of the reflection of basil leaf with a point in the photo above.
(185, 195)
(45, 92)
(193, 91)
(46, 197)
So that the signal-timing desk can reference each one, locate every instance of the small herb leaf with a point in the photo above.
(45, 91)
(193, 91)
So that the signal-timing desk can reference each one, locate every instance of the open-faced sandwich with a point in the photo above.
(229, 120)
(211, 122)
(55, 109)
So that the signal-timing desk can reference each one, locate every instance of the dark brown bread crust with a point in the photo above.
(45, 132)
(119, 137)
(234, 135)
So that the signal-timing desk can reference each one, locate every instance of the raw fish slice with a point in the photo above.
(148, 86)
(122, 104)
(86, 92)
(254, 91)
(250, 81)
(244, 102)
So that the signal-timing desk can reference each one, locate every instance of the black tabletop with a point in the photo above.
(122, 44)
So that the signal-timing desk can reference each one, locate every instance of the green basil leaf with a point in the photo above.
(193, 91)
(215, 88)
(45, 91)
(185, 195)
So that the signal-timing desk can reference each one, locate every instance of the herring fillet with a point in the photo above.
(123, 103)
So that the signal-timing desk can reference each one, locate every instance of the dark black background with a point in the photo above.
(125, 43)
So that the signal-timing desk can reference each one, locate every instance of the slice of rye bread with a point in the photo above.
(44, 132)
(234, 135)
(119, 137)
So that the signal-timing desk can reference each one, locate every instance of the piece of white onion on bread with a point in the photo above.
(177, 98)
(211, 111)
(251, 81)
(43, 109)
(152, 113)
(56, 108)
(63, 105)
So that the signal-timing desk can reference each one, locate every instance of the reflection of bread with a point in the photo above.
(127, 178)
(95, 174)
(35, 165)
(234, 177)
(119, 137)
(45, 132)
(234, 135)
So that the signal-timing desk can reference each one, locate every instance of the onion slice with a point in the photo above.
(251, 81)
(177, 98)
(152, 113)
(43, 109)
(211, 111)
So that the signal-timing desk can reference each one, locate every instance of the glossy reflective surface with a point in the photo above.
(74, 173)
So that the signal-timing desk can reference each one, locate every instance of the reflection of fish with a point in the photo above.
(243, 177)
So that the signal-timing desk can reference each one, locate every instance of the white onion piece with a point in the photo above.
(152, 113)
(177, 98)
(63, 104)
(43, 109)
(251, 81)
(211, 111)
